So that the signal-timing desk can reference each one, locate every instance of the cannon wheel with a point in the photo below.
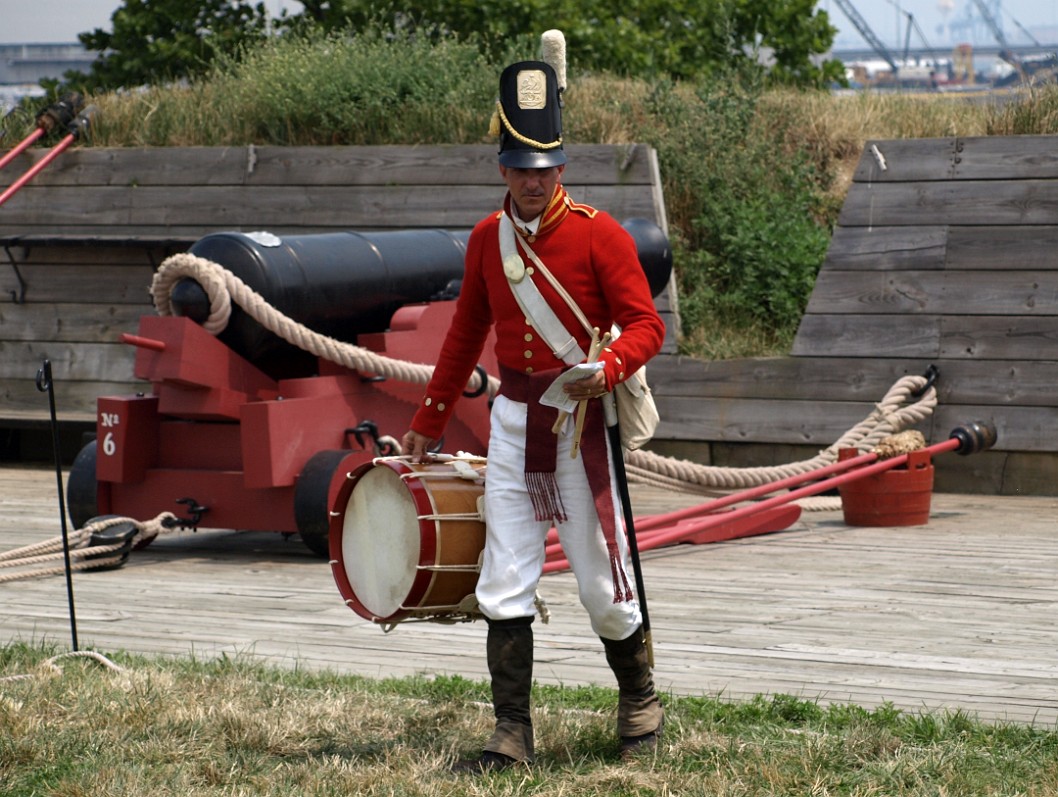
(82, 489)
(82, 492)
(312, 494)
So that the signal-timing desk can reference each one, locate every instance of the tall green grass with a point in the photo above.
(753, 177)
(316, 89)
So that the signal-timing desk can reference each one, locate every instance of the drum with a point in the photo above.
(406, 539)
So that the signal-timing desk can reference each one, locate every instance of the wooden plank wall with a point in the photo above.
(946, 253)
(183, 193)
(82, 240)
(946, 256)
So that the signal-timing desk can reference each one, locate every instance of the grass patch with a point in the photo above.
(233, 727)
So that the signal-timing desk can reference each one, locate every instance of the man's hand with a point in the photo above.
(416, 446)
(589, 387)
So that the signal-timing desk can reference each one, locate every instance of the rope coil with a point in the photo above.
(888, 417)
(82, 555)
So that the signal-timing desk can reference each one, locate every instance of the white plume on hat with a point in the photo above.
(553, 47)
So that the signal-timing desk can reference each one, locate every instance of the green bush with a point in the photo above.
(312, 89)
(364, 89)
(367, 89)
(745, 206)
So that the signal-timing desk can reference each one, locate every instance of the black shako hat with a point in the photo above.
(530, 117)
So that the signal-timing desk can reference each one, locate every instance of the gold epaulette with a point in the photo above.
(586, 210)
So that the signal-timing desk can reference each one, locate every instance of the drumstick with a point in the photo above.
(593, 355)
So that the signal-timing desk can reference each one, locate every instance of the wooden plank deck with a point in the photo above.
(960, 613)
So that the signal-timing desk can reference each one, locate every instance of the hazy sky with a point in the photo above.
(939, 20)
(59, 21)
(45, 21)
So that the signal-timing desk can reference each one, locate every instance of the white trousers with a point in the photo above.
(515, 539)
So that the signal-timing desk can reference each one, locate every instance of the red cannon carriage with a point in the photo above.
(243, 430)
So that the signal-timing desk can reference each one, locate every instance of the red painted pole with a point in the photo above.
(662, 538)
(977, 437)
(141, 342)
(37, 167)
(77, 127)
(653, 522)
(22, 146)
(667, 519)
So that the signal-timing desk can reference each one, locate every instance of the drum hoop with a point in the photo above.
(477, 475)
(474, 568)
(341, 578)
(422, 578)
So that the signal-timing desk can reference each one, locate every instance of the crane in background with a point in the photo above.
(968, 27)
(992, 22)
(902, 71)
(1044, 67)
(907, 38)
(1025, 30)
(865, 31)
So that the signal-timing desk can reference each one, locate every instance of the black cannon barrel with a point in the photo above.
(655, 254)
(348, 283)
(338, 284)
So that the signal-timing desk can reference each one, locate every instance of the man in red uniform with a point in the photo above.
(533, 481)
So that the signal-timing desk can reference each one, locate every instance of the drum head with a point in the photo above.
(380, 541)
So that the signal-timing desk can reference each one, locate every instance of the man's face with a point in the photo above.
(531, 189)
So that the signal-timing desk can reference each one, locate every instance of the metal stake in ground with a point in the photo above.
(44, 385)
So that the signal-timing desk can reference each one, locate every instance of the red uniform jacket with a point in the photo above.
(593, 258)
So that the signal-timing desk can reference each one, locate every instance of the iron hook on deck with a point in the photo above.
(930, 375)
(196, 510)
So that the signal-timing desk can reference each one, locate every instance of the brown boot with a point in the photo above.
(509, 650)
(640, 717)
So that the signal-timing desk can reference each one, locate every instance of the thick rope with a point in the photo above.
(889, 416)
(51, 550)
(223, 287)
